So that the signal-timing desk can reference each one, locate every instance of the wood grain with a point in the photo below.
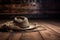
(52, 32)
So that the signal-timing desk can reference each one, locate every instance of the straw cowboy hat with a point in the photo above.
(19, 23)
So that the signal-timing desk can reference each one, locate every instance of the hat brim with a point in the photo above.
(31, 28)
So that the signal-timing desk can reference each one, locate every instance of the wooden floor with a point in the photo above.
(52, 32)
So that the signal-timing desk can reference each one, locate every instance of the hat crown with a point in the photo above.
(23, 21)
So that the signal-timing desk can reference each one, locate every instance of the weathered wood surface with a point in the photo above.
(52, 32)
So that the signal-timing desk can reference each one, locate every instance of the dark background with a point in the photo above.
(50, 10)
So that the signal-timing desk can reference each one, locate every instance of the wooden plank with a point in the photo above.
(4, 35)
(54, 27)
(49, 34)
(31, 36)
(14, 36)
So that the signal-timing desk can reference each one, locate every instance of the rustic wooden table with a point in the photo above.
(52, 32)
